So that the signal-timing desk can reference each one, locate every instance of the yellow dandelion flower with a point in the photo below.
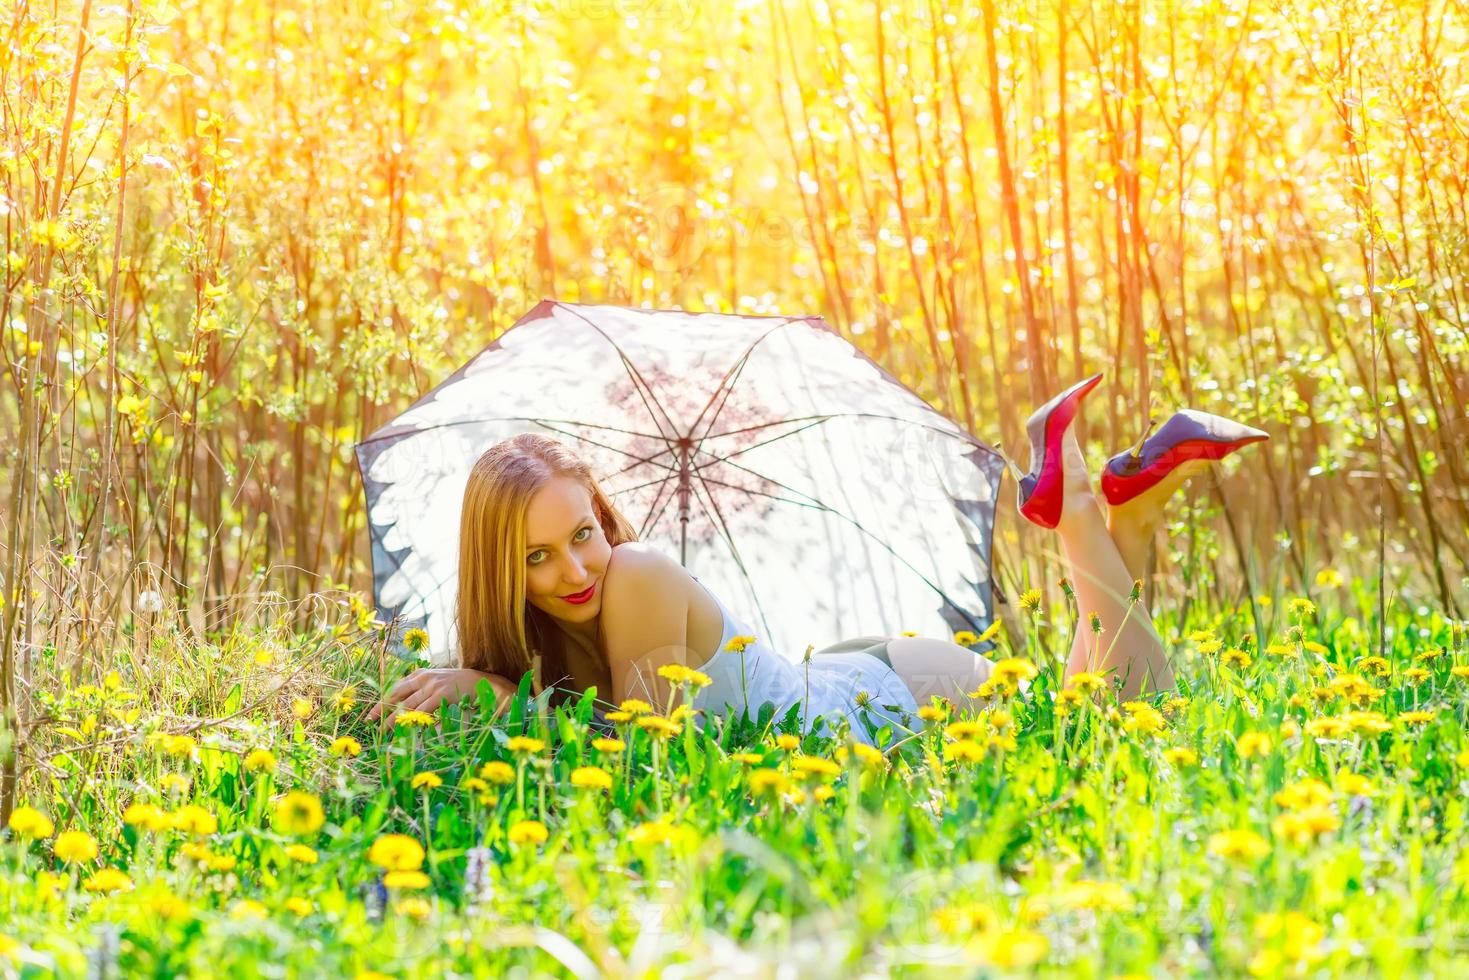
(1303, 827)
(413, 908)
(964, 750)
(661, 832)
(1030, 599)
(1253, 744)
(301, 854)
(1376, 666)
(497, 772)
(591, 777)
(1087, 682)
(1327, 727)
(737, 644)
(524, 743)
(787, 742)
(610, 746)
(1304, 794)
(636, 707)
(246, 908)
(767, 780)
(1371, 722)
(619, 716)
(1328, 578)
(1235, 658)
(966, 638)
(659, 726)
(1011, 949)
(747, 758)
(406, 880)
(298, 813)
(261, 760)
(302, 708)
(1013, 670)
(1355, 784)
(193, 820)
(1238, 845)
(396, 852)
(75, 847)
(931, 712)
(345, 746)
(1181, 757)
(1145, 720)
(174, 783)
(426, 780)
(27, 821)
(1300, 606)
(814, 765)
(108, 880)
(528, 832)
(299, 906)
(965, 729)
(1414, 718)
(416, 640)
(414, 719)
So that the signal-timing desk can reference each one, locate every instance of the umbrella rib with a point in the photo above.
(854, 415)
(726, 384)
(639, 382)
(711, 508)
(818, 420)
(639, 461)
(647, 524)
(831, 510)
(503, 418)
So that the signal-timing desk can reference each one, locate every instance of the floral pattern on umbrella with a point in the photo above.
(808, 487)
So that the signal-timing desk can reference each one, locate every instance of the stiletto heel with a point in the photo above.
(1186, 436)
(1040, 492)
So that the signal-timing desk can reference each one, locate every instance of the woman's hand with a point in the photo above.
(427, 687)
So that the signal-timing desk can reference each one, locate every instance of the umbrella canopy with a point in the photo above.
(802, 483)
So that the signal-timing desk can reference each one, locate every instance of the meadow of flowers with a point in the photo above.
(1296, 806)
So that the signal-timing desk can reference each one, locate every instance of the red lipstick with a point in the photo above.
(581, 597)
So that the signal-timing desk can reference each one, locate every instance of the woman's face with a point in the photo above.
(566, 551)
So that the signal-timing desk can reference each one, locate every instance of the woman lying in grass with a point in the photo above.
(548, 568)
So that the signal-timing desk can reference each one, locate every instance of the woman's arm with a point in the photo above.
(645, 616)
(428, 688)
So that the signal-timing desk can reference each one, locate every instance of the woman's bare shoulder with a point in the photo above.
(649, 565)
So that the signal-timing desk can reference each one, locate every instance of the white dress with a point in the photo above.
(835, 679)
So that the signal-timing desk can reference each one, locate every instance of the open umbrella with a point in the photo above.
(806, 486)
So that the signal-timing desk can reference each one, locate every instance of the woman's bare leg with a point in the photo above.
(1105, 558)
(1134, 525)
(1129, 645)
(929, 666)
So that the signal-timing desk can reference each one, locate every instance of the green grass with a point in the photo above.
(1079, 844)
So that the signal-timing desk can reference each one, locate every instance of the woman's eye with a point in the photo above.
(586, 529)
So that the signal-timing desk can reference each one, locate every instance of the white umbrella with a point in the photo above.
(807, 487)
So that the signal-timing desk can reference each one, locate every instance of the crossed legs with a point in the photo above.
(1104, 558)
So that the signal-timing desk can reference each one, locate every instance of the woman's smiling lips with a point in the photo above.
(581, 597)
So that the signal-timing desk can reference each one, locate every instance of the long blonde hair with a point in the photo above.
(499, 631)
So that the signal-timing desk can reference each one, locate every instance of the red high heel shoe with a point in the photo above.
(1187, 435)
(1040, 492)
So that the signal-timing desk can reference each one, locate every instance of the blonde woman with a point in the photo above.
(551, 572)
